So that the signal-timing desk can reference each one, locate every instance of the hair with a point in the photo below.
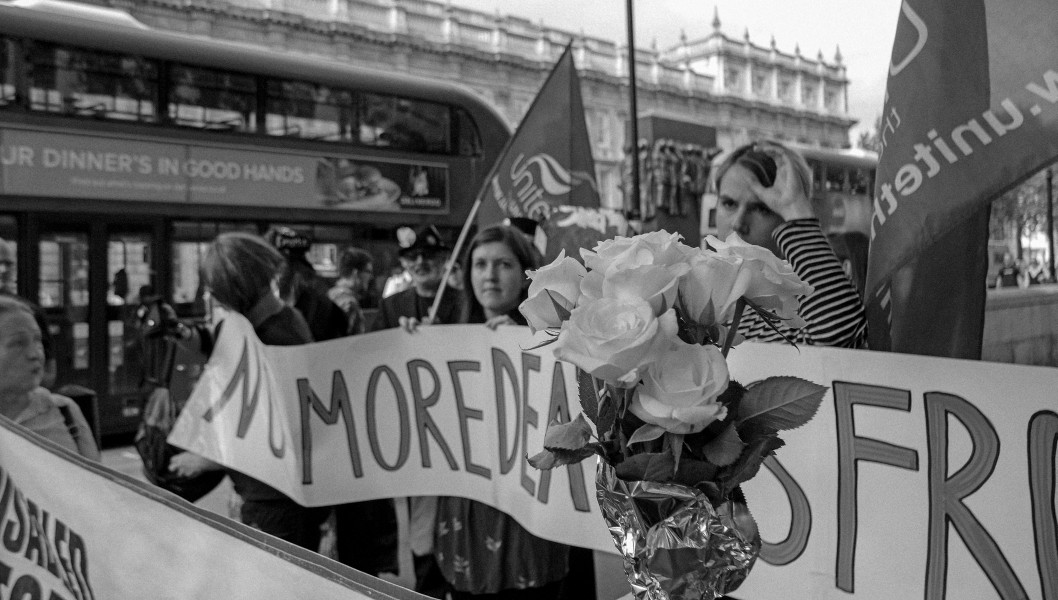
(755, 158)
(239, 268)
(353, 259)
(528, 257)
(13, 304)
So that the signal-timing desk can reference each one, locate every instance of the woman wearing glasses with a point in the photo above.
(764, 194)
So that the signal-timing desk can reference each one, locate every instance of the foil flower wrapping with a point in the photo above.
(676, 544)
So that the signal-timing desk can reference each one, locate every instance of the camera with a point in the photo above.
(158, 319)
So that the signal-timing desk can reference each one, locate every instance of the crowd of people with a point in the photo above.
(764, 197)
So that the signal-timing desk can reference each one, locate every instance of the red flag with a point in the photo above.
(971, 110)
(548, 161)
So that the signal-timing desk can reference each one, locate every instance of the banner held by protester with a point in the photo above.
(395, 414)
(74, 529)
(971, 110)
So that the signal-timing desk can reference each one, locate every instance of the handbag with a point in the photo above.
(159, 416)
(175, 369)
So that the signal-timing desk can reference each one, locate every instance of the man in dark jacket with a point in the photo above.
(423, 255)
(300, 287)
(365, 532)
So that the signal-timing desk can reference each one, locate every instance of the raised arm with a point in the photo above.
(834, 311)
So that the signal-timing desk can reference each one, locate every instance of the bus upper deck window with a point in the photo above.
(404, 124)
(309, 111)
(211, 99)
(468, 141)
(9, 59)
(91, 83)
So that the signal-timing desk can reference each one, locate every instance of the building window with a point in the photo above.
(733, 79)
(760, 84)
(808, 94)
(786, 90)
(832, 102)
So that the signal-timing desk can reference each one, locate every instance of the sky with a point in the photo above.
(863, 29)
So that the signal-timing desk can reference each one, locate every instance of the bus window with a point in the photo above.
(818, 174)
(89, 83)
(9, 236)
(309, 111)
(404, 124)
(863, 182)
(190, 241)
(9, 58)
(211, 99)
(468, 142)
(837, 179)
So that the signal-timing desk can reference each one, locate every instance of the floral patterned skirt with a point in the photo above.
(483, 551)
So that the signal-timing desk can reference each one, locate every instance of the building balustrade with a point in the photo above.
(680, 67)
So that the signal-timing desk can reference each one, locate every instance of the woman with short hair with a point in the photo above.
(239, 272)
(22, 398)
(764, 196)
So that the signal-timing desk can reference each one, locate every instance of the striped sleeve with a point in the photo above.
(833, 311)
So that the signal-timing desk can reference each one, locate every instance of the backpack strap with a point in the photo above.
(86, 444)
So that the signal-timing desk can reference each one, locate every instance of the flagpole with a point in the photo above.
(453, 258)
(477, 201)
(633, 111)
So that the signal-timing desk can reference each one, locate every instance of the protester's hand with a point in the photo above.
(411, 324)
(787, 197)
(495, 322)
(189, 464)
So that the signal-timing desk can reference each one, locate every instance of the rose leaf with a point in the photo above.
(693, 472)
(607, 414)
(653, 466)
(660, 467)
(747, 465)
(674, 441)
(549, 459)
(646, 433)
(568, 436)
(589, 398)
(781, 403)
(725, 448)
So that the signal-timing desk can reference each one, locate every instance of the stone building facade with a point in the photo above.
(743, 90)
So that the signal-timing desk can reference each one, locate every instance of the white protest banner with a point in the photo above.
(449, 410)
(72, 528)
(919, 477)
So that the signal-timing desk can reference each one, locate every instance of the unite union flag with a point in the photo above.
(547, 162)
(971, 110)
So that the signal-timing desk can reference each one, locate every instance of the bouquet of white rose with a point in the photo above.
(649, 322)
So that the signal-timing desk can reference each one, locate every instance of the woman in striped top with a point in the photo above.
(764, 197)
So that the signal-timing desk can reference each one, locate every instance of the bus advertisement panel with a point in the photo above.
(35, 163)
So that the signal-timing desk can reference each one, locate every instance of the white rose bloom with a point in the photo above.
(655, 248)
(680, 390)
(562, 279)
(712, 286)
(657, 285)
(774, 286)
(615, 339)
